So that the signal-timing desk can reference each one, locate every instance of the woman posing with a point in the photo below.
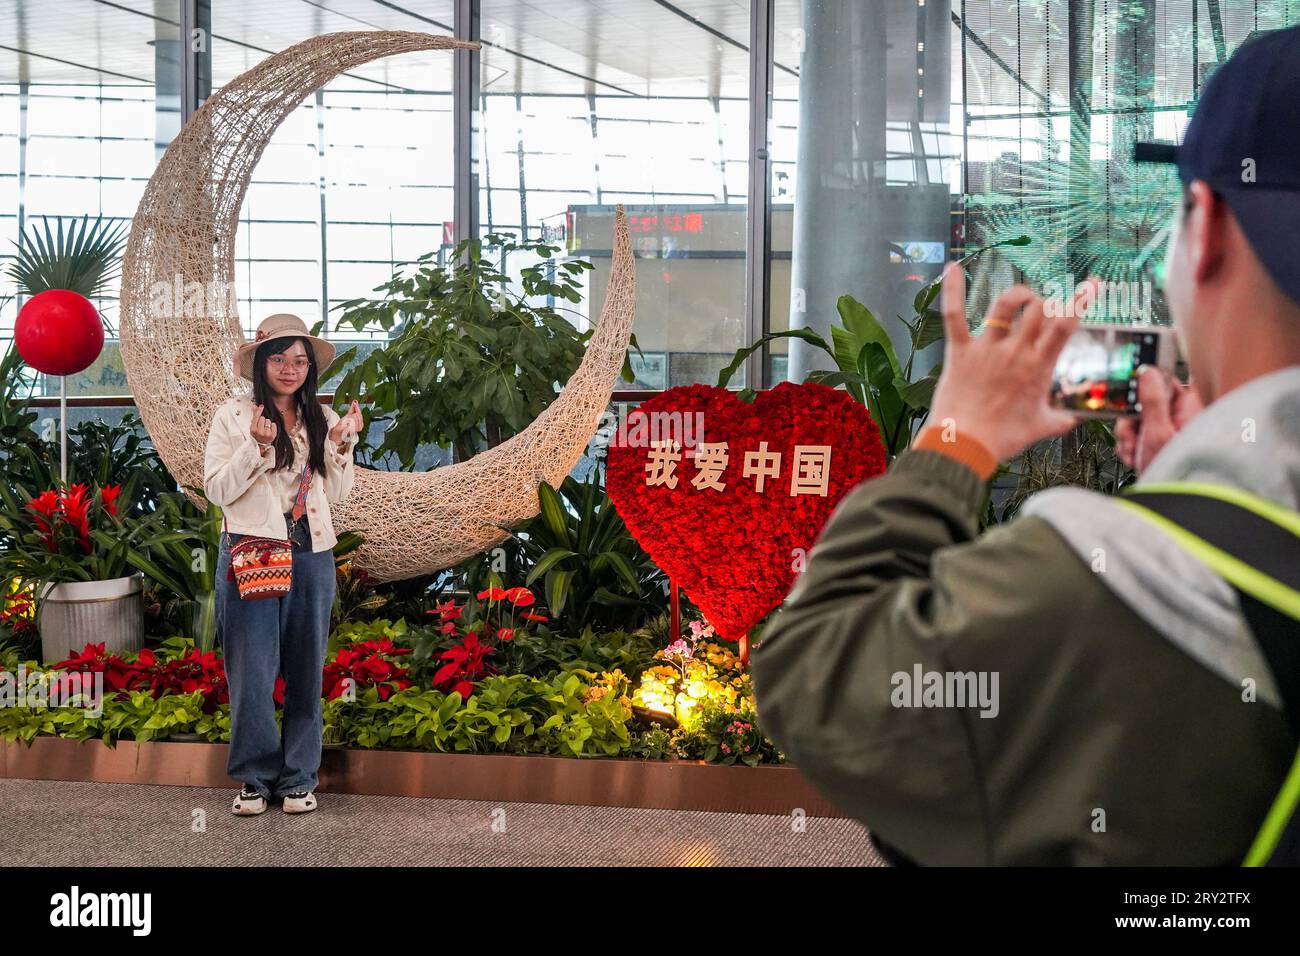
(276, 460)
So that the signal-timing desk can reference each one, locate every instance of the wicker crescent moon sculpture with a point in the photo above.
(179, 359)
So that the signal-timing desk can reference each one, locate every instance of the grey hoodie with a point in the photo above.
(1249, 439)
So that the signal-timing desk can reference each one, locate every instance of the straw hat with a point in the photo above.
(279, 326)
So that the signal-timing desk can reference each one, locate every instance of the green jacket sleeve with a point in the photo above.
(865, 608)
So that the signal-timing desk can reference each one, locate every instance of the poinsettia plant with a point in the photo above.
(365, 664)
(176, 667)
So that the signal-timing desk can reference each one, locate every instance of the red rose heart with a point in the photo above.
(735, 551)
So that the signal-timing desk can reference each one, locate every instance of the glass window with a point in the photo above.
(358, 179)
(641, 103)
(863, 160)
(89, 99)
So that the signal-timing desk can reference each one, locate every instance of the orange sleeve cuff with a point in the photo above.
(961, 448)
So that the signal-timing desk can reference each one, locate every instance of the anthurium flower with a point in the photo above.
(520, 597)
(505, 634)
(492, 594)
(531, 616)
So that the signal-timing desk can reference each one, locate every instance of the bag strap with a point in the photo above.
(304, 481)
(1253, 544)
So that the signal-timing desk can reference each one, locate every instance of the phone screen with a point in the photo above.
(1096, 373)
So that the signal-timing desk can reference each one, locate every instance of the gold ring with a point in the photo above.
(998, 324)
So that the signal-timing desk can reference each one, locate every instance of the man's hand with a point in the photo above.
(995, 388)
(1167, 405)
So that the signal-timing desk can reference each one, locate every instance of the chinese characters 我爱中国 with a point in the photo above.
(809, 476)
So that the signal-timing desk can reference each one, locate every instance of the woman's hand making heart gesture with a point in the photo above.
(262, 429)
(349, 424)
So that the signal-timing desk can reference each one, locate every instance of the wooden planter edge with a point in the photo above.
(505, 778)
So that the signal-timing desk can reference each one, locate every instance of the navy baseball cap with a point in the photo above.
(1244, 141)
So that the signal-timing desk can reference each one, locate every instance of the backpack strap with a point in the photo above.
(1253, 544)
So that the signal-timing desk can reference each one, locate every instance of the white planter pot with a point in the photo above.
(77, 613)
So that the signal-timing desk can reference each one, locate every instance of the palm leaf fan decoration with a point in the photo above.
(85, 258)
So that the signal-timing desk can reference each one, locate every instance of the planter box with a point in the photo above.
(600, 782)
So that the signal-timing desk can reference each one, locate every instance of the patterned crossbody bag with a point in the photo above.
(263, 567)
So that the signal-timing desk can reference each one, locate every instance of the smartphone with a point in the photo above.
(1096, 374)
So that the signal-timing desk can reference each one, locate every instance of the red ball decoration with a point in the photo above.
(58, 332)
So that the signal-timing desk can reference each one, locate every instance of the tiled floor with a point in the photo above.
(63, 823)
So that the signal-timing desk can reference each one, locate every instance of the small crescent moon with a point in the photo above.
(179, 359)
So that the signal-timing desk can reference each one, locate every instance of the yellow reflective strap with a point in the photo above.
(1283, 517)
(1260, 586)
(1254, 582)
(1278, 814)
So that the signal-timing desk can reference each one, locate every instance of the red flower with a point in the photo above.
(530, 616)
(447, 610)
(47, 504)
(466, 663)
(362, 666)
(492, 594)
(108, 496)
(448, 628)
(505, 634)
(731, 549)
(520, 597)
(76, 509)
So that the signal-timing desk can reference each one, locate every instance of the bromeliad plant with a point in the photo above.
(79, 534)
(868, 366)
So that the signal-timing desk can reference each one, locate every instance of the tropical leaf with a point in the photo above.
(84, 259)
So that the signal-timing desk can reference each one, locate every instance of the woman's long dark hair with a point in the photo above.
(313, 416)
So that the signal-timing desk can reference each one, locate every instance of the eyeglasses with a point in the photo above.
(278, 362)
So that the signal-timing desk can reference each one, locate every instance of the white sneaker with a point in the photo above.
(301, 801)
(248, 803)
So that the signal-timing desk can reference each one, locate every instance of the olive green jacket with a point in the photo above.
(1112, 741)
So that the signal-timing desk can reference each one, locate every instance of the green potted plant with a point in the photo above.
(467, 362)
(591, 569)
(867, 365)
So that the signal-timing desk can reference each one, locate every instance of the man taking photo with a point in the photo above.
(1146, 684)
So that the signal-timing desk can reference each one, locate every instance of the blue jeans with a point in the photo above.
(265, 638)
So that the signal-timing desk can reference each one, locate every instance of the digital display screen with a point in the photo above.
(932, 252)
(1097, 370)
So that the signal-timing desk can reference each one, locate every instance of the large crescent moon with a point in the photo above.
(179, 359)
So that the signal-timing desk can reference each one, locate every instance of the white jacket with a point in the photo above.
(235, 477)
